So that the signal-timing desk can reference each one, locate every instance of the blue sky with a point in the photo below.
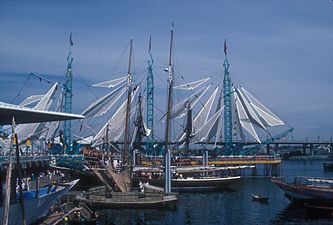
(281, 50)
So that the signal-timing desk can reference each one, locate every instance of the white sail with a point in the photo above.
(250, 111)
(179, 110)
(202, 117)
(203, 133)
(238, 126)
(216, 128)
(110, 83)
(192, 85)
(116, 124)
(31, 99)
(244, 119)
(102, 105)
(52, 127)
(25, 131)
(84, 140)
(270, 118)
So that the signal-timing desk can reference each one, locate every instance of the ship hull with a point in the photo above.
(328, 166)
(197, 184)
(308, 194)
(36, 207)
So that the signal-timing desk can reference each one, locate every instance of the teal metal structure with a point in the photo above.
(150, 103)
(67, 101)
(272, 139)
(227, 106)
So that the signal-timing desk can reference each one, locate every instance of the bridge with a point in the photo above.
(306, 144)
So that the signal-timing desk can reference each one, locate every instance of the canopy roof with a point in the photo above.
(28, 115)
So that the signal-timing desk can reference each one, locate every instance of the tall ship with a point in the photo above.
(313, 191)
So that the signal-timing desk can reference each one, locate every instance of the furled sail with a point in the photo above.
(110, 83)
(244, 119)
(25, 131)
(102, 105)
(270, 118)
(116, 124)
(202, 116)
(192, 85)
(31, 99)
(179, 110)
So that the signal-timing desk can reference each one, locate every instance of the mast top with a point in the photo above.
(129, 75)
(226, 63)
(171, 43)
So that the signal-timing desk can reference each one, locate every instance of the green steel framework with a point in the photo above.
(67, 103)
(150, 103)
(227, 108)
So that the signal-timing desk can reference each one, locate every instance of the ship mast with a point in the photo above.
(128, 104)
(188, 127)
(167, 164)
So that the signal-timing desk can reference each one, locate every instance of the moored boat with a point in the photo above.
(132, 199)
(328, 166)
(312, 191)
(202, 183)
(259, 198)
(36, 202)
(188, 179)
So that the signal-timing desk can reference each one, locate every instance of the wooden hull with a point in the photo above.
(134, 200)
(309, 194)
(328, 166)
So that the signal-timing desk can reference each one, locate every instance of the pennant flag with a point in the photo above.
(225, 47)
(149, 48)
(70, 39)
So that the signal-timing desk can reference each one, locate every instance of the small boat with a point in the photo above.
(309, 190)
(259, 198)
(328, 166)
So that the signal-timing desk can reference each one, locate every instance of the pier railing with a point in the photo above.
(32, 158)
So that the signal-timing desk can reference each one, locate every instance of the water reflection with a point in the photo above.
(232, 205)
(299, 214)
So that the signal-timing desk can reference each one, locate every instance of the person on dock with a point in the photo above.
(142, 188)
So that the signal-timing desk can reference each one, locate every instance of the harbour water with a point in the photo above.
(233, 205)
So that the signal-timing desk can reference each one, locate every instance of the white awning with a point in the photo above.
(28, 115)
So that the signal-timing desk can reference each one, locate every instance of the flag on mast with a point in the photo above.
(225, 47)
(149, 48)
(70, 39)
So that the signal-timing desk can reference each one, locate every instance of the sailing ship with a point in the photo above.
(122, 179)
(308, 190)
